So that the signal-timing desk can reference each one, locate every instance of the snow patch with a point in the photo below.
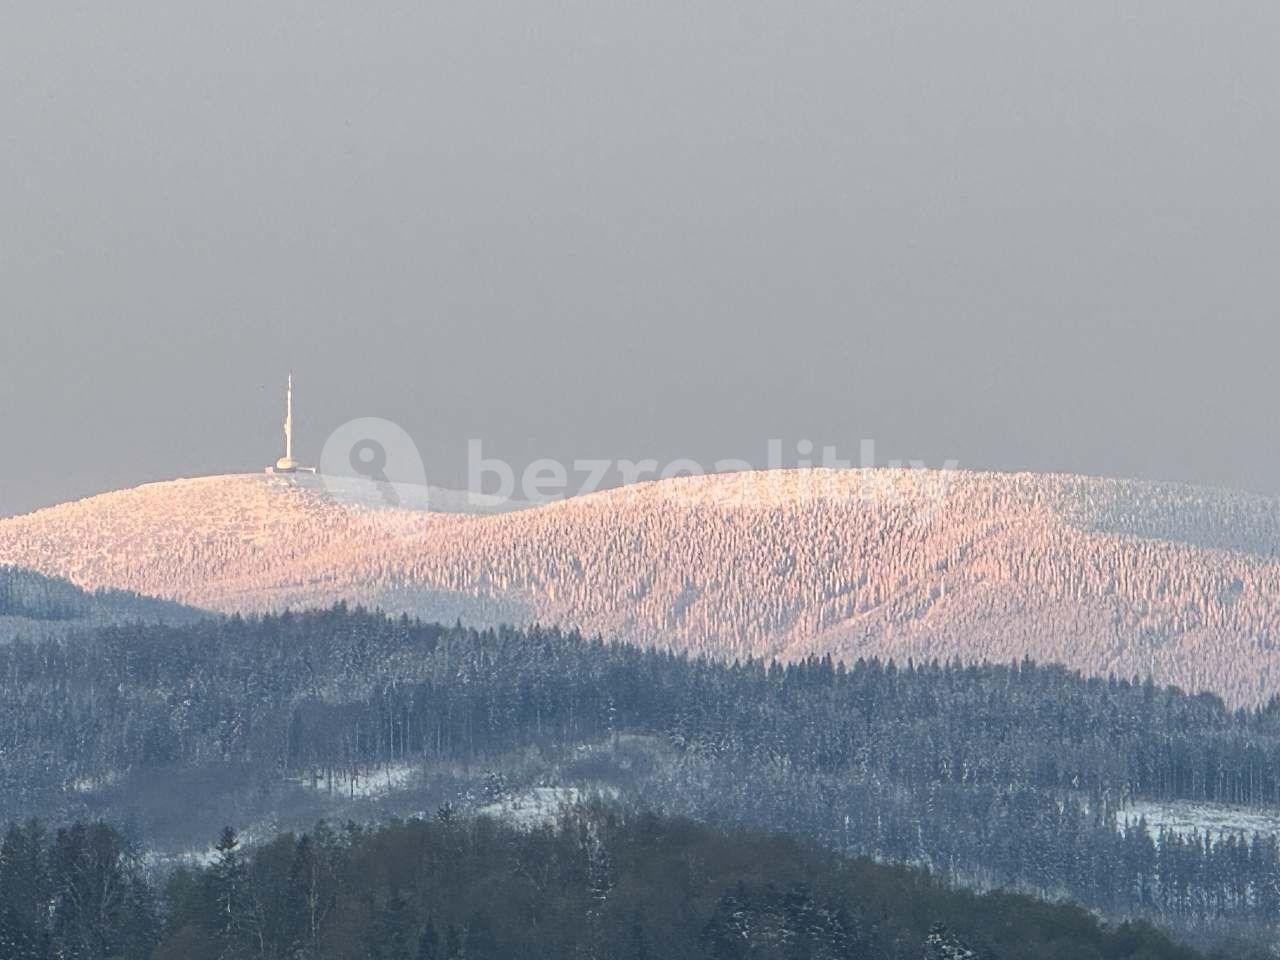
(361, 785)
(541, 806)
(92, 784)
(1186, 818)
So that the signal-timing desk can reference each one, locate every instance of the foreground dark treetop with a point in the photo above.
(594, 884)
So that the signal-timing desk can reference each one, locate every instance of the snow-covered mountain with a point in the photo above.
(1104, 575)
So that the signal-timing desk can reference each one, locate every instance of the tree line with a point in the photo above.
(595, 883)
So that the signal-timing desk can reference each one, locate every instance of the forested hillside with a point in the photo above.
(1104, 576)
(999, 776)
(593, 884)
(33, 605)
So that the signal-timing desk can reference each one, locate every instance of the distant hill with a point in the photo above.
(32, 604)
(1103, 575)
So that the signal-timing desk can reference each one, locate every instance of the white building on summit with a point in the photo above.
(287, 464)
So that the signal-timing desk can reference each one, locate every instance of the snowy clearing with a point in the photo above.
(1185, 817)
(360, 785)
(541, 805)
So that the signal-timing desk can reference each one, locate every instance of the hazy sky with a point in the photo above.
(1019, 235)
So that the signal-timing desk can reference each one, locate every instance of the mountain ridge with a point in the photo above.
(1109, 576)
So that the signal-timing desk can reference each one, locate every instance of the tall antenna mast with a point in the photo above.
(287, 464)
(288, 419)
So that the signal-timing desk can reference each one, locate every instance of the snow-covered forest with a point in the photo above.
(32, 604)
(1014, 776)
(1105, 576)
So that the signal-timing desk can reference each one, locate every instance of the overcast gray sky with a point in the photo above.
(1020, 235)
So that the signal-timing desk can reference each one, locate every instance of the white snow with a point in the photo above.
(359, 492)
(359, 784)
(540, 806)
(1186, 817)
(91, 784)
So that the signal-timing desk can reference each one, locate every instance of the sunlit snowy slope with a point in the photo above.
(1107, 576)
